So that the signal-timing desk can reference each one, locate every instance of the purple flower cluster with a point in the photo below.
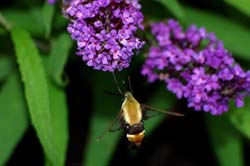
(105, 31)
(196, 66)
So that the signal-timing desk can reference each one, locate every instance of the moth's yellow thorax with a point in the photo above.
(131, 109)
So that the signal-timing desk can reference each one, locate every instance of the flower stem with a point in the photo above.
(4, 22)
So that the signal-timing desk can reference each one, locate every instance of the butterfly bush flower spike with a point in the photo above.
(105, 31)
(195, 65)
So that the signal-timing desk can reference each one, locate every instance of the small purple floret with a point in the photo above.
(196, 66)
(105, 31)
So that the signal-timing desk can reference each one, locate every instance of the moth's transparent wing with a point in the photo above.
(115, 125)
(118, 125)
(149, 112)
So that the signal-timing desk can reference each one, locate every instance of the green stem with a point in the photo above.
(4, 22)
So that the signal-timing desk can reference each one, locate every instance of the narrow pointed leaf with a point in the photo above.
(36, 91)
(58, 108)
(48, 13)
(100, 152)
(58, 103)
(13, 116)
(58, 58)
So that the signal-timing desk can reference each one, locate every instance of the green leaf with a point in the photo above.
(58, 108)
(160, 99)
(6, 66)
(59, 22)
(48, 13)
(240, 117)
(174, 7)
(29, 20)
(58, 104)
(226, 142)
(36, 92)
(149, 6)
(242, 5)
(100, 152)
(58, 58)
(235, 36)
(13, 116)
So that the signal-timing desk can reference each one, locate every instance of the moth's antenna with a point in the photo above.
(116, 82)
(130, 86)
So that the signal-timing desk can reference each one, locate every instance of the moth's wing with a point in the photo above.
(118, 125)
(148, 111)
(115, 125)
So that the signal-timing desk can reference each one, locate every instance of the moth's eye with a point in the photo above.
(127, 126)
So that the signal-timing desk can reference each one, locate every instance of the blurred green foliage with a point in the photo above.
(35, 87)
(13, 116)
(240, 118)
(227, 142)
(6, 66)
(175, 8)
(242, 5)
